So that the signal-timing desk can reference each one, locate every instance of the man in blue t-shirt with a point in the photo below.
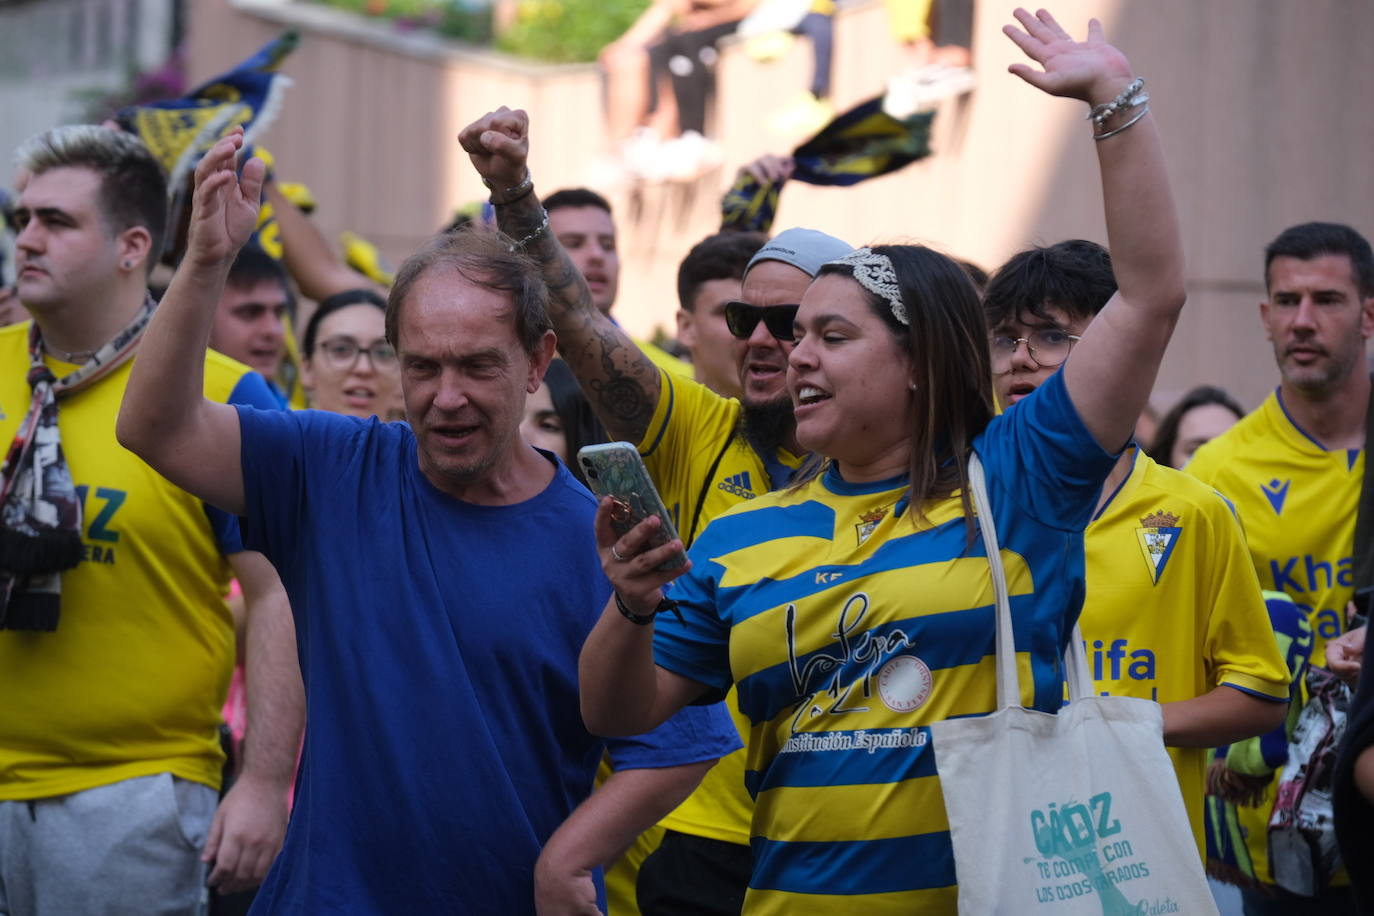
(443, 579)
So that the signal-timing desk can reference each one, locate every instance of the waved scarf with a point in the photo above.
(40, 509)
(860, 144)
(181, 131)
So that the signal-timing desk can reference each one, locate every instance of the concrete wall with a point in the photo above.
(1263, 106)
(52, 52)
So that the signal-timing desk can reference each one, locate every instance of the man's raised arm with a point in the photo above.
(165, 418)
(619, 380)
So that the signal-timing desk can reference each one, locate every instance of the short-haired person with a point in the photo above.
(1293, 467)
(116, 644)
(249, 322)
(444, 746)
(1199, 417)
(704, 451)
(709, 278)
(582, 221)
(1173, 611)
(802, 597)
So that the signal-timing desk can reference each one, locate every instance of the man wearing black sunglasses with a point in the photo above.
(706, 453)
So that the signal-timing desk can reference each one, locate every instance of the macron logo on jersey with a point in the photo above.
(1276, 491)
(739, 485)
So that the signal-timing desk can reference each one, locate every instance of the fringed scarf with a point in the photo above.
(40, 512)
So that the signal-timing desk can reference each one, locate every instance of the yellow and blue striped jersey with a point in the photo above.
(1174, 608)
(1297, 502)
(133, 680)
(848, 625)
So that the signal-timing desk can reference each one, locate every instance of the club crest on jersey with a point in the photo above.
(904, 683)
(739, 485)
(868, 523)
(1276, 491)
(1158, 536)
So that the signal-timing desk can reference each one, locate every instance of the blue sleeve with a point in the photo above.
(272, 453)
(252, 390)
(698, 646)
(1040, 456)
(694, 734)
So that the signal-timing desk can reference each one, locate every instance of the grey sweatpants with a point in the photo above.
(128, 847)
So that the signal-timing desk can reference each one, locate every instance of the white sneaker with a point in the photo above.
(687, 157)
(642, 151)
(922, 89)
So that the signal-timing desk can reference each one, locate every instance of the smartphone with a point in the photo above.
(1362, 607)
(616, 470)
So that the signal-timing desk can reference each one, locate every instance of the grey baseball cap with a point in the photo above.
(804, 249)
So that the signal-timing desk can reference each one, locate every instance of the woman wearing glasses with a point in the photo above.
(347, 366)
(853, 610)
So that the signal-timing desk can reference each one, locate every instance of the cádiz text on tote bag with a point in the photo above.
(1072, 813)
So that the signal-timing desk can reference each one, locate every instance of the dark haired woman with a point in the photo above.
(853, 610)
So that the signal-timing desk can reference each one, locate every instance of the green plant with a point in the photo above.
(567, 31)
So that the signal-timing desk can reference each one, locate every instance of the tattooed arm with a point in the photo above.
(621, 383)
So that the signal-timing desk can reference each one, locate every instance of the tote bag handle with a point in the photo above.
(1008, 682)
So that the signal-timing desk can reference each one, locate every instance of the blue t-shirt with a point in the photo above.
(438, 642)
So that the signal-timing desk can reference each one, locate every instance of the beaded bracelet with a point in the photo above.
(1130, 97)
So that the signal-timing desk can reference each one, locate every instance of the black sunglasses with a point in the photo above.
(741, 318)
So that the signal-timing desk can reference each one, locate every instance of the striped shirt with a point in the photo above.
(849, 625)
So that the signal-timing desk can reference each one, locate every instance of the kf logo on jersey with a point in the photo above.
(1158, 536)
(1277, 492)
(868, 523)
(739, 485)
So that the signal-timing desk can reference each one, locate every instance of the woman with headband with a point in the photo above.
(853, 610)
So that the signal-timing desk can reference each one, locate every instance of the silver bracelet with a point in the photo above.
(544, 224)
(1130, 97)
(511, 195)
(1112, 133)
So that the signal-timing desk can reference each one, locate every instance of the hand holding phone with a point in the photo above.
(616, 470)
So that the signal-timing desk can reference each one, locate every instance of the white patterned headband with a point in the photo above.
(876, 274)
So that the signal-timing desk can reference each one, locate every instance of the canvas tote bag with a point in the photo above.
(1074, 813)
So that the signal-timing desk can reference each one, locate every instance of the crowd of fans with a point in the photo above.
(445, 683)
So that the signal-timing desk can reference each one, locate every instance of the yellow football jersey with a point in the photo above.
(1174, 608)
(1297, 503)
(132, 681)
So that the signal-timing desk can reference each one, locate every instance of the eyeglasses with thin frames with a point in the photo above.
(343, 353)
(741, 318)
(1048, 348)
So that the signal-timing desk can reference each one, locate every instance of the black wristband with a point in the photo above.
(667, 604)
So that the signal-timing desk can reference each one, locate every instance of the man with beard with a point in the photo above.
(1294, 466)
